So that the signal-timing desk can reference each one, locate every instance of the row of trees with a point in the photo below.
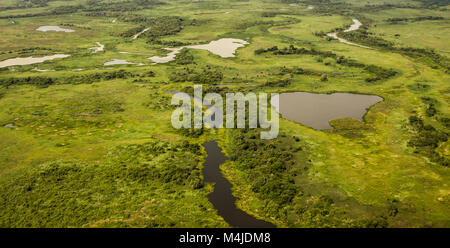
(414, 19)
(379, 73)
(428, 56)
(61, 10)
(328, 7)
(74, 79)
(120, 6)
(92, 7)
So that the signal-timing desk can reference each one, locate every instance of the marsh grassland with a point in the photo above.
(84, 144)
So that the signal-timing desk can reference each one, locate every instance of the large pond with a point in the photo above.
(30, 60)
(222, 197)
(316, 110)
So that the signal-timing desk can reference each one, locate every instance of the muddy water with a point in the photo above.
(30, 60)
(316, 110)
(222, 197)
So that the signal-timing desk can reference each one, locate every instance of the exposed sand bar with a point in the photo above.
(41, 70)
(121, 62)
(97, 49)
(54, 28)
(30, 60)
(138, 34)
(169, 57)
(334, 35)
(225, 48)
(355, 26)
(135, 53)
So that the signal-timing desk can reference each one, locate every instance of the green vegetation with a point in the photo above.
(88, 145)
(122, 191)
(416, 19)
(428, 56)
(185, 57)
(379, 72)
(276, 175)
(76, 79)
(205, 75)
(158, 26)
(427, 140)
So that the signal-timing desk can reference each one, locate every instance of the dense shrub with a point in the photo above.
(184, 57)
(204, 75)
(157, 26)
(419, 87)
(267, 165)
(427, 139)
(72, 194)
(278, 83)
(431, 104)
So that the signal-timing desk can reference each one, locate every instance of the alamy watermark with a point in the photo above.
(213, 117)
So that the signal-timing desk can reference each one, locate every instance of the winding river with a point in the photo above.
(222, 197)
(355, 26)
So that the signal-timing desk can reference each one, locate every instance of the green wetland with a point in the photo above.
(86, 138)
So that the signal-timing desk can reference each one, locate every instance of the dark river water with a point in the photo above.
(222, 197)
